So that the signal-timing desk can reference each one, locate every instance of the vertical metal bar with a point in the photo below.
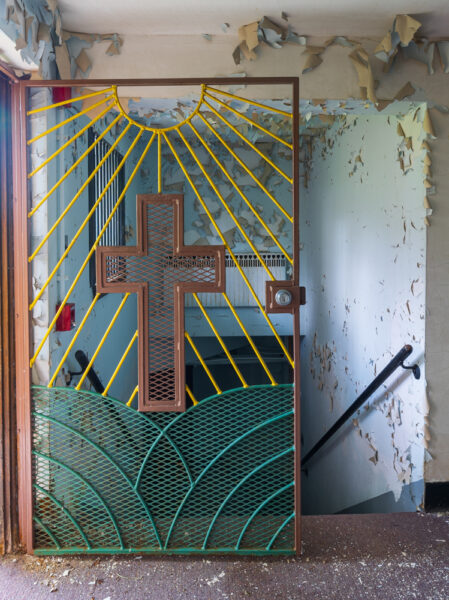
(118, 220)
(4, 342)
(110, 198)
(114, 241)
(97, 187)
(109, 195)
(113, 224)
(159, 165)
(121, 218)
(106, 199)
(99, 220)
(121, 232)
(8, 461)
(103, 202)
(21, 291)
(296, 317)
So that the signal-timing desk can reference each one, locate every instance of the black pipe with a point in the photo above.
(395, 362)
(91, 376)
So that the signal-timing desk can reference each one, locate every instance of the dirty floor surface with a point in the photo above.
(392, 557)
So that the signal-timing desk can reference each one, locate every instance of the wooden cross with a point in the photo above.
(160, 270)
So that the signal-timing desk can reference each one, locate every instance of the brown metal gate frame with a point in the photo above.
(8, 449)
(22, 275)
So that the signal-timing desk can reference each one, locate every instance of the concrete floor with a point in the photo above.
(392, 557)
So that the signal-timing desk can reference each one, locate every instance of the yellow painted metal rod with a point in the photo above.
(157, 129)
(250, 121)
(246, 168)
(159, 164)
(246, 101)
(242, 194)
(70, 119)
(131, 398)
(191, 396)
(64, 177)
(81, 189)
(91, 251)
(58, 183)
(75, 337)
(225, 204)
(220, 340)
(102, 341)
(203, 364)
(248, 143)
(77, 234)
(69, 101)
(232, 255)
(121, 361)
(70, 141)
(250, 340)
(78, 193)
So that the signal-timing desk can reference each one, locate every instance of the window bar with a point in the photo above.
(228, 248)
(95, 245)
(69, 120)
(69, 205)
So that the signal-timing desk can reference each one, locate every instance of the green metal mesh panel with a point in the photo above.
(217, 478)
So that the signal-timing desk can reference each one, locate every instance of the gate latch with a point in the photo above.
(283, 296)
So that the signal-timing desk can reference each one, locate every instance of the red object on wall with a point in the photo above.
(66, 320)
(61, 94)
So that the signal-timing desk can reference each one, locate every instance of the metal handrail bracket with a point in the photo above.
(395, 362)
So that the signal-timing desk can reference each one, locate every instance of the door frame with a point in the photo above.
(8, 442)
(22, 282)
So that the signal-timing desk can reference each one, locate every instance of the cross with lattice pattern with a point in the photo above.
(160, 270)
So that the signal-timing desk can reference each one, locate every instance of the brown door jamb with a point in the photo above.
(9, 538)
(21, 316)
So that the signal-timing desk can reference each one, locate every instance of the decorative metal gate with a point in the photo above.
(191, 444)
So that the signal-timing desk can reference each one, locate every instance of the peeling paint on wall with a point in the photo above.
(364, 249)
(37, 29)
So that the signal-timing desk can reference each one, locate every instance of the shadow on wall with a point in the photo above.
(363, 263)
(386, 503)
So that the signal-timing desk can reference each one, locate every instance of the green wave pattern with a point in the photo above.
(217, 478)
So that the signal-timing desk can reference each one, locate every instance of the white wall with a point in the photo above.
(335, 78)
(363, 265)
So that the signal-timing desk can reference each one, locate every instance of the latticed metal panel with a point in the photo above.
(160, 270)
(217, 478)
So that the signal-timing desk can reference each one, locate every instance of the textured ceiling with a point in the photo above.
(310, 17)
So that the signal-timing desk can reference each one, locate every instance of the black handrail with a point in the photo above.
(395, 362)
(91, 375)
